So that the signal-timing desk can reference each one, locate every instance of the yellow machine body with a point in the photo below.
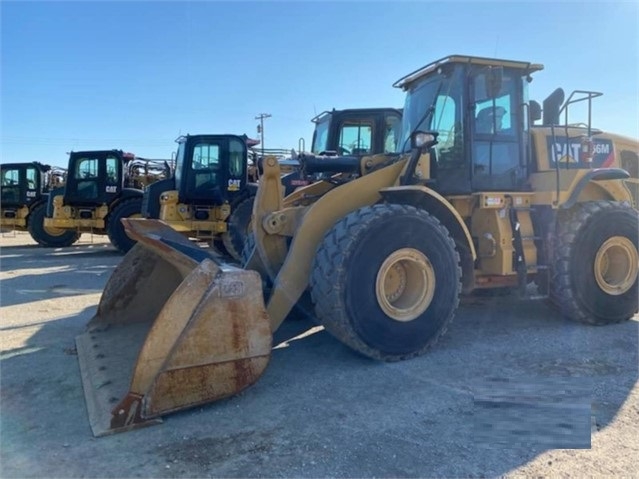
(383, 255)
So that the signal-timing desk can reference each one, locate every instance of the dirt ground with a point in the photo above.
(512, 389)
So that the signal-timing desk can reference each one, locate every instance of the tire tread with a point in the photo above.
(329, 275)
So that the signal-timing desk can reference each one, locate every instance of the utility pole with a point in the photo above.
(260, 128)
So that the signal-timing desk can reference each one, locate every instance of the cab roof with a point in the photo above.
(354, 111)
(527, 67)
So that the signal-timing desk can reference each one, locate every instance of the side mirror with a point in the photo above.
(535, 111)
(493, 81)
(420, 142)
(423, 140)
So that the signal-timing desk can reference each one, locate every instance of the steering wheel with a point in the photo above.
(343, 151)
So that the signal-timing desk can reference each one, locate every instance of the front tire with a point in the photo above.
(386, 281)
(128, 208)
(49, 237)
(238, 228)
(596, 263)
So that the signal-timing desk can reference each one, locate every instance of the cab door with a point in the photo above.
(94, 178)
(496, 132)
(10, 185)
(32, 183)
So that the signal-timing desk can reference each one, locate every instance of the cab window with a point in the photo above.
(112, 170)
(355, 139)
(236, 158)
(206, 156)
(10, 178)
(495, 117)
(393, 130)
(320, 137)
(32, 181)
(205, 166)
(447, 122)
(10, 186)
(87, 169)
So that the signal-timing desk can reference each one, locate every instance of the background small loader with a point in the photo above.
(210, 196)
(102, 187)
(25, 188)
(474, 199)
(356, 131)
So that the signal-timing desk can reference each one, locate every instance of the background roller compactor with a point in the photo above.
(102, 187)
(25, 188)
(475, 199)
(210, 196)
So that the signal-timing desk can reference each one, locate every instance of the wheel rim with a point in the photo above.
(616, 265)
(53, 231)
(405, 284)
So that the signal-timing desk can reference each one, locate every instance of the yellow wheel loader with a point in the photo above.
(25, 188)
(384, 247)
(102, 187)
(210, 196)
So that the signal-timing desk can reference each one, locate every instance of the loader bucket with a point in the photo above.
(174, 329)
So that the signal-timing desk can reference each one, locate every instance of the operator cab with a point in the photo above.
(355, 131)
(95, 177)
(21, 183)
(478, 107)
(210, 169)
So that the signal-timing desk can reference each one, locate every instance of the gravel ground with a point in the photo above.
(512, 389)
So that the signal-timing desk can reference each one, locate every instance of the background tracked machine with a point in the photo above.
(383, 250)
(102, 187)
(210, 195)
(24, 192)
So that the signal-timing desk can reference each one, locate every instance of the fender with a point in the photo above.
(431, 201)
(125, 194)
(151, 197)
(130, 193)
(43, 199)
(50, 195)
(597, 174)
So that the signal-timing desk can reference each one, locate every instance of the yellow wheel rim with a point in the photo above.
(405, 284)
(53, 231)
(616, 265)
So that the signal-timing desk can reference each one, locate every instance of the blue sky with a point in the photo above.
(135, 75)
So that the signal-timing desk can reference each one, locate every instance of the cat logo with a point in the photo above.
(111, 189)
(234, 185)
(570, 153)
(566, 159)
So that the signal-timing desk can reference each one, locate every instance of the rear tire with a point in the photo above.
(115, 229)
(49, 237)
(386, 281)
(238, 228)
(247, 249)
(595, 263)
